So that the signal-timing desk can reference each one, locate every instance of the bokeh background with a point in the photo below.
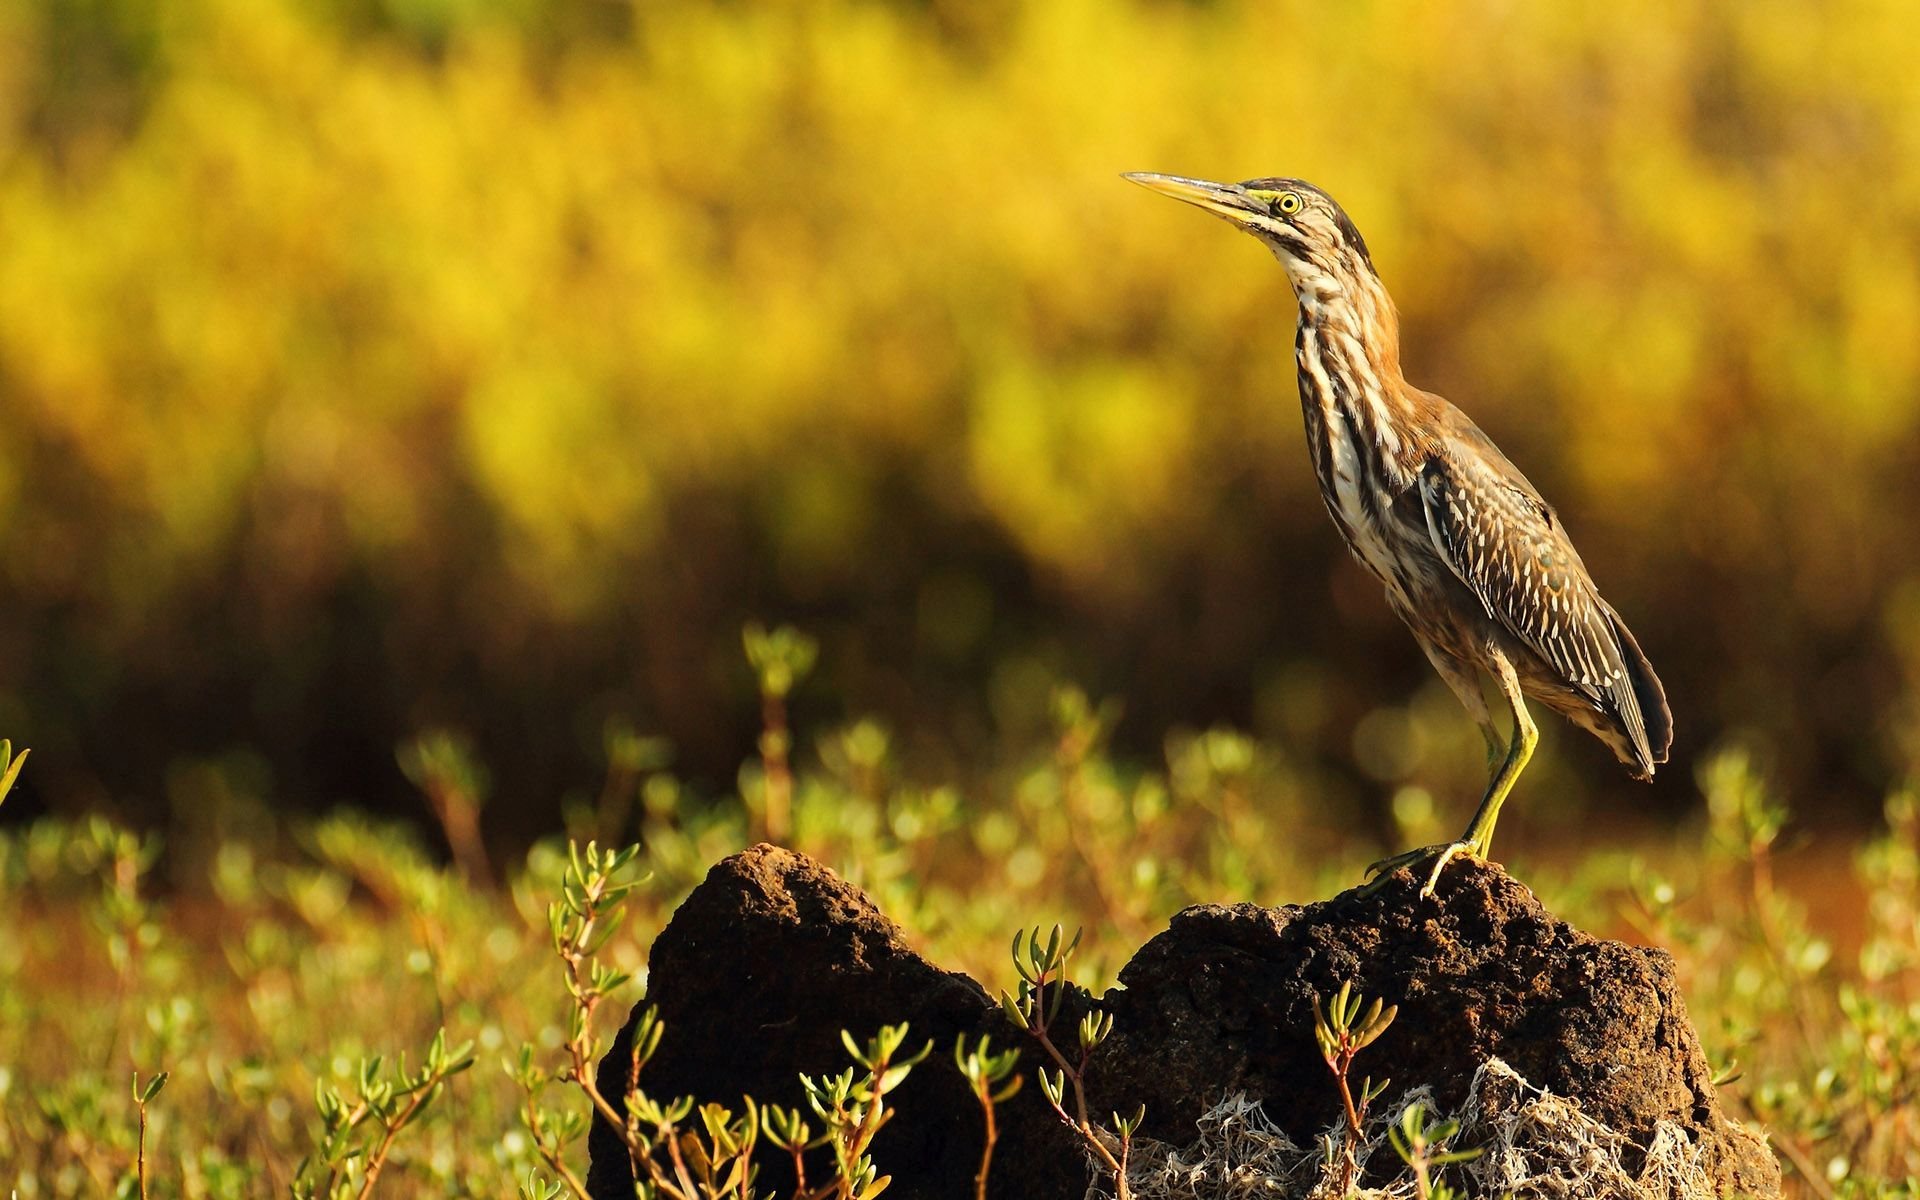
(373, 366)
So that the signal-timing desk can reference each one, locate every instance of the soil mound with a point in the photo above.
(773, 955)
(755, 976)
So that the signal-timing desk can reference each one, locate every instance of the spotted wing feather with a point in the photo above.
(1504, 543)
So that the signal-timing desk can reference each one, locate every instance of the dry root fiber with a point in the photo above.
(1531, 1142)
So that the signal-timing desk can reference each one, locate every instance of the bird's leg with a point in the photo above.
(1505, 762)
(1477, 842)
(1496, 748)
(1479, 834)
(1464, 682)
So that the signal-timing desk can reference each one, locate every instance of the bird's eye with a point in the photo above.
(1288, 203)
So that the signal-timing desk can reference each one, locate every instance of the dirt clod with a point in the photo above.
(755, 976)
(773, 955)
(1222, 1002)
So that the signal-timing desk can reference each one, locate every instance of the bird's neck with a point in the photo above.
(1348, 352)
(1351, 303)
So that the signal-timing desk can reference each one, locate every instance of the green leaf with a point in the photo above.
(1054, 1085)
(894, 1076)
(10, 766)
(143, 1094)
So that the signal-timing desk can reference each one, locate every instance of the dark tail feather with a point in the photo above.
(1649, 696)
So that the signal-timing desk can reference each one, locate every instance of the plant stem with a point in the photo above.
(993, 1133)
(377, 1161)
(1798, 1158)
(550, 1157)
(776, 771)
(141, 1160)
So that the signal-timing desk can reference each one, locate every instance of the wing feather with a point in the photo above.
(1503, 542)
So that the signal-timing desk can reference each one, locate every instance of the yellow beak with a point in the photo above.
(1228, 200)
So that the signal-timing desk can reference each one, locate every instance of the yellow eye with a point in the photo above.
(1288, 203)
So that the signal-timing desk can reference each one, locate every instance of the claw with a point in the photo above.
(1441, 854)
(1405, 858)
(1465, 850)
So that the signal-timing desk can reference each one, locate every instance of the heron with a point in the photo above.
(1473, 558)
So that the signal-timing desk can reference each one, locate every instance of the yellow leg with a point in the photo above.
(1526, 735)
(1496, 750)
(1505, 764)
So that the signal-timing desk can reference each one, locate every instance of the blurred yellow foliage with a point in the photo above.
(340, 282)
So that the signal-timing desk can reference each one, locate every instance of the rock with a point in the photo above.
(1222, 1002)
(756, 975)
(773, 955)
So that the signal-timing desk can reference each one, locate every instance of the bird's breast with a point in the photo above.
(1354, 445)
(1361, 509)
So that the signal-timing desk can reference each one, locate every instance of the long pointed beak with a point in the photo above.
(1228, 200)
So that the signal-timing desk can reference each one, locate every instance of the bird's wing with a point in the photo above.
(1504, 542)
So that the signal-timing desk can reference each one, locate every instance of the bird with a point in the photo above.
(1473, 558)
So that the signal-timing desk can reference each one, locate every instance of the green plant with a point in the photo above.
(553, 1133)
(1043, 987)
(853, 1107)
(143, 1096)
(1342, 1032)
(667, 1161)
(443, 765)
(670, 1161)
(594, 887)
(10, 767)
(358, 1130)
(285, 951)
(122, 914)
(1420, 1145)
(537, 1187)
(991, 1079)
(780, 658)
(631, 757)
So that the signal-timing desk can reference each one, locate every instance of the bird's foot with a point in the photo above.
(1441, 855)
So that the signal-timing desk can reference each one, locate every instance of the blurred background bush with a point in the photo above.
(375, 365)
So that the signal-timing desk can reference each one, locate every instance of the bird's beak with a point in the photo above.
(1228, 200)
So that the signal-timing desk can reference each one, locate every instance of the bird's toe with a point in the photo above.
(1439, 855)
(1467, 850)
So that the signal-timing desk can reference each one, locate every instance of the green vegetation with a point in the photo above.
(992, 1079)
(1342, 1033)
(277, 977)
(1042, 968)
(1416, 1141)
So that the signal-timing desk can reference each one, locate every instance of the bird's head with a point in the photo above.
(1307, 231)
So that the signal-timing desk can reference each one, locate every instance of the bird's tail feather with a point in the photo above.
(1656, 719)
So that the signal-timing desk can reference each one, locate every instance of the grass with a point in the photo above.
(325, 1007)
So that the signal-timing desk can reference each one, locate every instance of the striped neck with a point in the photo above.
(1349, 304)
(1347, 348)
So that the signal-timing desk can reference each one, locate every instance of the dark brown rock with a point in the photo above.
(1222, 1002)
(756, 975)
(773, 955)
